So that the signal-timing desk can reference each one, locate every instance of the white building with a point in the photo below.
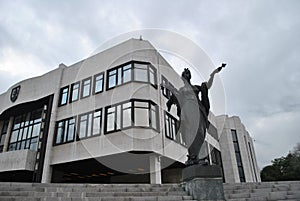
(237, 150)
(100, 120)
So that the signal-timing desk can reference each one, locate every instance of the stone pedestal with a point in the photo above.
(203, 182)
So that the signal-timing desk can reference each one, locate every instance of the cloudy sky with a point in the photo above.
(259, 39)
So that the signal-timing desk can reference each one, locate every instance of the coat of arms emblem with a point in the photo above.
(14, 93)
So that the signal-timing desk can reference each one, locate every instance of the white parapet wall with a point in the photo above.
(17, 160)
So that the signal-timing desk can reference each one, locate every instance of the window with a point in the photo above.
(89, 124)
(86, 87)
(145, 72)
(25, 131)
(74, 96)
(170, 126)
(238, 156)
(164, 89)
(133, 113)
(132, 71)
(65, 131)
(172, 129)
(98, 83)
(3, 134)
(64, 93)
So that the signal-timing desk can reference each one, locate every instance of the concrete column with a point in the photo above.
(9, 129)
(47, 169)
(155, 169)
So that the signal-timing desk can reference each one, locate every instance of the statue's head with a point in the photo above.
(186, 74)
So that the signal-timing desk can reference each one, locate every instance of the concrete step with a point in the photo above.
(89, 194)
(154, 198)
(268, 191)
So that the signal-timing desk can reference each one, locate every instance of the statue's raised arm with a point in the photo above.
(212, 75)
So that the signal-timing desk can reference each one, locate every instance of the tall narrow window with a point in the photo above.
(112, 78)
(98, 83)
(74, 96)
(64, 93)
(127, 73)
(110, 119)
(3, 134)
(97, 119)
(127, 112)
(86, 88)
(238, 156)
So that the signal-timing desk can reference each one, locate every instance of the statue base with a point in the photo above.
(203, 182)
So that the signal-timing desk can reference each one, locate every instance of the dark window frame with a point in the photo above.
(83, 87)
(238, 156)
(95, 83)
(25, 136)
(119, 79)
(132, 108)
(64, 130)
(61, 94)
(90, 119)
(71, 92)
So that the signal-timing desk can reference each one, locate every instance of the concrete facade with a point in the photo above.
(64, 103)
(249, 171)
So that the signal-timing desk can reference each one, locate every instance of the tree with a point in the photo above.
(285, 168)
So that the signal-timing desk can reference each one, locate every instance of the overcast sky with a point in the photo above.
(259, 39)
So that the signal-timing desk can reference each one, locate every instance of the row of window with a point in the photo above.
(128, 72)
(25, 131)
(132, 113)
(85, 91)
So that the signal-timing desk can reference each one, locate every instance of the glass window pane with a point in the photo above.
(60, 133)
(64, 96)
(25, 133)
(71, 131)
(167, 125)
(153, 117)
(75, 92)
(14, 136)
(110, 119)
(141, 117)
(118, 123)
(86, 88)
(36, 130)
(97, 122)
(90, 118)
(127, 115)
(112, 80)
(119, 76)
(127, 73)
(33, 144)
(140, 72)
(152, 76)
(99, 83)
(83, 126)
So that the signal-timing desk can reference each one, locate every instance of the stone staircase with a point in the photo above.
(92, 192)
(265, 191)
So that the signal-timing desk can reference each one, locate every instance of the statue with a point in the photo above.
(193, 113)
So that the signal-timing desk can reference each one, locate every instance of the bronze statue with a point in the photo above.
(193, 113)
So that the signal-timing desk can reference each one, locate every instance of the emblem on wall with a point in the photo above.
(14, 93)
